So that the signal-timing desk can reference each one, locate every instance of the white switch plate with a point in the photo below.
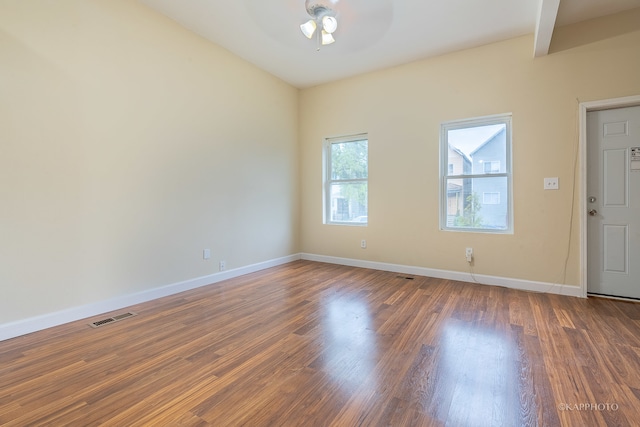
(551, 183)
(206, 253)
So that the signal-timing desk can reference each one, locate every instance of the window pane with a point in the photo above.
(477, 150)
(349, 160)
(476, 174)
(480, 203)
(349, 202)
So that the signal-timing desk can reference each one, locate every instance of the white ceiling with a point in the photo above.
(372, 34)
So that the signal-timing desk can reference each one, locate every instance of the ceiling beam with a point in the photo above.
(547, 13)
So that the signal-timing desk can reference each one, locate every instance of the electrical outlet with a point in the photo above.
(363, 244)
(551, 183)
(468, 253)
(223, 265)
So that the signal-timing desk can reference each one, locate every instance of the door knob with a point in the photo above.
(593, 212)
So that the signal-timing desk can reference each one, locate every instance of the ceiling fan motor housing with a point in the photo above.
(319, 8)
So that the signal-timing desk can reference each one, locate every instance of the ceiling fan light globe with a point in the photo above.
(327, 38)
(329, 24)
(308, 28)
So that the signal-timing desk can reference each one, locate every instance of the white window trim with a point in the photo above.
(444, 164)
(327, 181)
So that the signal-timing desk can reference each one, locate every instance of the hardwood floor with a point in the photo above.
(312, 344)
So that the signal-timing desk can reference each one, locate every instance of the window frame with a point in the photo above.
(445, 127)
(328, 181)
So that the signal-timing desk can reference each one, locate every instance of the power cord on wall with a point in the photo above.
(576, 152)
(472, 273)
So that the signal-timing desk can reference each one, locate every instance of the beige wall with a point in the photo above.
(402, 108)
(128, 145)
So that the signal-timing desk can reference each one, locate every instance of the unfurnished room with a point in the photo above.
(319, 213)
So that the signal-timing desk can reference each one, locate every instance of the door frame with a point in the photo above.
(583, 109)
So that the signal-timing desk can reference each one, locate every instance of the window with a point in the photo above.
(490, 198)
(346, 180)
(475, 192)
(492, 166)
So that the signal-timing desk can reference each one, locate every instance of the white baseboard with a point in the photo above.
(33, 324)
(525, 285)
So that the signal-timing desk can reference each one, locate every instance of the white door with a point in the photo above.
(613, 202)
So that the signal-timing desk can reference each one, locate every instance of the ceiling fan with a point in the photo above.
(359, 24)
(323, 21)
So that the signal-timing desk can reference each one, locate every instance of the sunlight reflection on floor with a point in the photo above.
(350, 342)
(482, 365)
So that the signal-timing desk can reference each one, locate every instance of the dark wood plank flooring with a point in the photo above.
(312, 344)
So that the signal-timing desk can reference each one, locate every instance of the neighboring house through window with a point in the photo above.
(476, 175)
(491, 198)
